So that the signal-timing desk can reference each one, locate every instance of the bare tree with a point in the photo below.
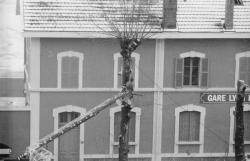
(130, 21)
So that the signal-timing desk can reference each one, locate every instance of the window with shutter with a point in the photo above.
(191, 70)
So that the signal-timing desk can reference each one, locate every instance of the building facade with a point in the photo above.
(14, 114)
(186, 76)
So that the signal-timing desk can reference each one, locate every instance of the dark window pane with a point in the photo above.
(74, 115)
(247, 125)
(63, 117)
(187, 61)
(195, 81)
(186, 71)
(186, 80)
(195, 71)
(196, 61)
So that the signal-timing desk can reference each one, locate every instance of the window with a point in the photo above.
(70, 70)
(242, 67)
(189, 129)
(191, 70)
(118, 69)
(133, 130)
(246, 127)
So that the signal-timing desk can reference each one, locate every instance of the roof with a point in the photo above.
(74, 16)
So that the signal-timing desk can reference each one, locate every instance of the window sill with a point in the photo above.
(188, 143)
(130, 143)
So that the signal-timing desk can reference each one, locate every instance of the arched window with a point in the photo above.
(191, 70)
(242, 71)
(118, 69)
(133, 130)
(62, 115)
(69, 69)
(189, 129)
(246, 127)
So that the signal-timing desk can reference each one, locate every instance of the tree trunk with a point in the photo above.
(239, 125)
(123, 138)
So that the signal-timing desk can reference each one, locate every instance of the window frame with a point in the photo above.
(137, 112)
(232, 122)
(69, 54)
(237, 67)
(192, 54)
(189, 107)
(116, 57)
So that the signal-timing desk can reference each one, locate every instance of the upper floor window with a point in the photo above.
(246, 116)
(191, 70)
(70, 69)
(133, 129)
(189, 129)
(242, 71)
(118, 69)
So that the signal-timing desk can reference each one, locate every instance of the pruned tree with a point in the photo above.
(130, 21)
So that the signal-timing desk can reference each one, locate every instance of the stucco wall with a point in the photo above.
(96, 129)
(221, 55)
(98, 64)
(216, 128)
(14, 127)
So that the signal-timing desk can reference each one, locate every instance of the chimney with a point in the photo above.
(229, 14)
(169, 14)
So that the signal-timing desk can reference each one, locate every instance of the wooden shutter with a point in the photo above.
(184, 126)
(70, 72)
(247, 125)
(194, 123)
(178, 72)
(204, 72)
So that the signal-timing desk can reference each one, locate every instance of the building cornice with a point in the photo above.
(163, 35)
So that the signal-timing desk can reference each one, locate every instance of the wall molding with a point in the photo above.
(96, 156)
(158, 99)
(192, 54)
(221, 89)
(162, 35)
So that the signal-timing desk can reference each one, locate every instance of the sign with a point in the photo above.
(221, 98)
